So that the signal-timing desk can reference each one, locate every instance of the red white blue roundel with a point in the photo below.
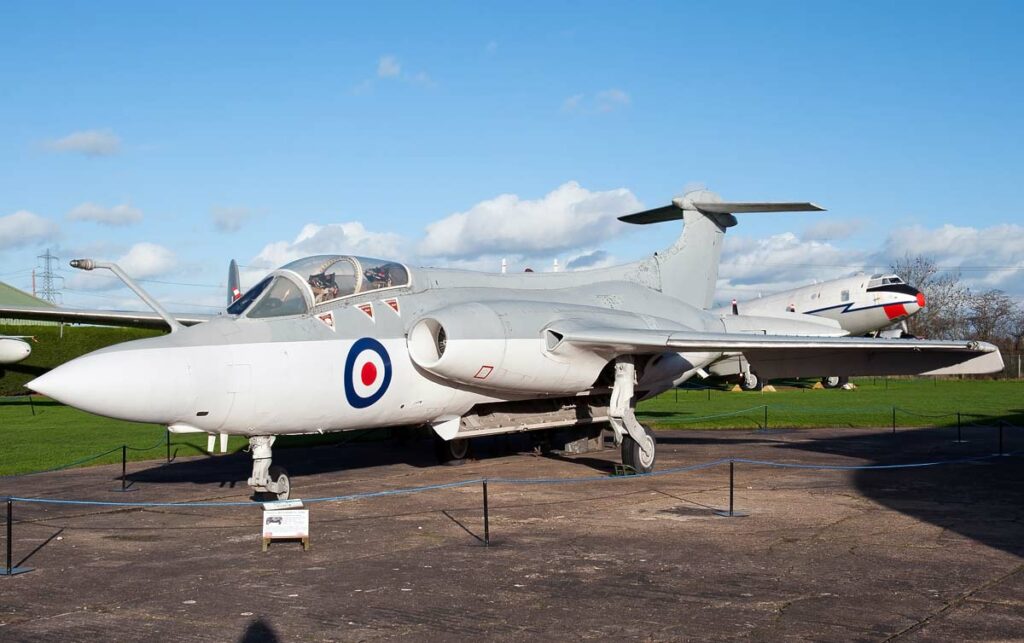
(367, 372)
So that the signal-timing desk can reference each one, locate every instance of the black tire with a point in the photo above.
(751, 381)
(451, 452)
(279, 475)
(632, 455)
(834, 381)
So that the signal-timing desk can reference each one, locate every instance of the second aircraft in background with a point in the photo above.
(861, 305)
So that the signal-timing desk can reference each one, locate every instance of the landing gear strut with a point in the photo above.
(267, 479)
(638, 445)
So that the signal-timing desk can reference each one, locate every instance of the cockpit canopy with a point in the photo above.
(883, 280)
(297, 287)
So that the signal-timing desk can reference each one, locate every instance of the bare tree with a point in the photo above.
(948, 299)
(991, 317)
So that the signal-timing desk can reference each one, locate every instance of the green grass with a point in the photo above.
(41, 434)
(917, 403)
(58, 435)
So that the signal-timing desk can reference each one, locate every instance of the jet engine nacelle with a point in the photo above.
(13, 350)
(500, 346)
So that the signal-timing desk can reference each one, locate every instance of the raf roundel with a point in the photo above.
(367, 372)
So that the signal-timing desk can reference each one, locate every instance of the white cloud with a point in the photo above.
(333, 238)
(990, 257)
(572, 103)
(88, 142)
(230, 219)
(831, 229)
(24, 228)
(612, 99)
(119, 215)
(566, 218)
(603, 102)
(589, 260)
(143, 260)
(388, 67)
(762, 266)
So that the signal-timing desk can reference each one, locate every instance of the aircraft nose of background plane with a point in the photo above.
(917, 305)
(144, 385)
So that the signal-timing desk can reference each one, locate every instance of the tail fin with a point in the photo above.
(234, 283)
(688, 270)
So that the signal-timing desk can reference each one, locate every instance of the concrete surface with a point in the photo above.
(913, 554)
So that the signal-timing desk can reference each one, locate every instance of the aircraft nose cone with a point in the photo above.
(921, 302)
(148, 385)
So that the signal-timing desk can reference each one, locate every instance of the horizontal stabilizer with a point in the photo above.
(675, 210)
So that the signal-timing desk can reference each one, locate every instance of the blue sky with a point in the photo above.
(177, 136)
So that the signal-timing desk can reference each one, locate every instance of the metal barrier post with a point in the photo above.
(731, 513)
(124, 470)
(31, 405)
(487, 522)
(10, 521)
(732, 478)
(959, 435)
(10, 569)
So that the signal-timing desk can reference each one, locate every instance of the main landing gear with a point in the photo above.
(639, 449)
(267, 480)
(834, 381)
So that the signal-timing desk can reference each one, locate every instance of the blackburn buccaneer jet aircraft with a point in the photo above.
(334, 343)
(860, 304)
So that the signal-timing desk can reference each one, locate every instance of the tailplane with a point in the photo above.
(688, 270)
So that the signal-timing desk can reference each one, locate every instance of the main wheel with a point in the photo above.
(834, 381)
(280, 476)
(452, 452)
(751, 381)
(633, 455)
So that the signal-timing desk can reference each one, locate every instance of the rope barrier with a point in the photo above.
(519, 481)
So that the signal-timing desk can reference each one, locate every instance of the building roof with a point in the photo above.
(11, 296)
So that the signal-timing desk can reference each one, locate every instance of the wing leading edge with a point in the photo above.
(775, 356)
(100, 317)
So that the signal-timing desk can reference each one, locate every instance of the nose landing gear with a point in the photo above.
(267, 480)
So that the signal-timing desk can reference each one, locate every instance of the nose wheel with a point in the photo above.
(267, 480)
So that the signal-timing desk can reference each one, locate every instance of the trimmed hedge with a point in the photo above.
(53, 348)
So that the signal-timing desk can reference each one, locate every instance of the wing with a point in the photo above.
(794, 356)
(100, 317)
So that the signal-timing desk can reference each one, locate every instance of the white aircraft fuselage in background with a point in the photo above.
(861, 304)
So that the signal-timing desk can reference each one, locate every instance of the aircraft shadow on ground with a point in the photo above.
(233, 469)
(981, 500)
